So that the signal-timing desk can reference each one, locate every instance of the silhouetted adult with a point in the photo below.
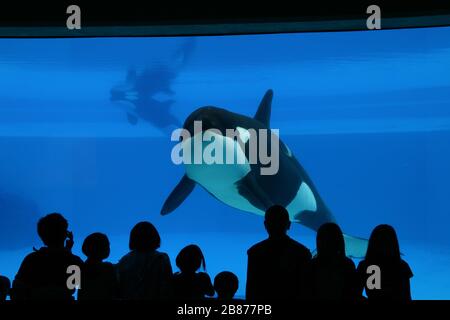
(43, 273)
(395, 274)
(188, 283)
(5, 285)
(226, 285)
(99, 278)
(144, 272)
(277, 265)
(331, 275)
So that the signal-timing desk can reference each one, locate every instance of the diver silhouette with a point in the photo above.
(99, 279)
(276, 266)
(43, 273)
(188, 283)
(331, 275)
(144, 272)
(226, 285)
(384, 251)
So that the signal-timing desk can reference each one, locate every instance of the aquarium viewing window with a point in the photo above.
(90, 126)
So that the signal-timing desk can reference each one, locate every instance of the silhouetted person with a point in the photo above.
(99, 279)
(43, 273)
(226, 285)
(331, 275)
(144, 272)
(384, 251)
(5, 285)
(277, 265)
(188, 283)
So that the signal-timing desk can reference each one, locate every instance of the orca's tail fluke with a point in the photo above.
(355, 247)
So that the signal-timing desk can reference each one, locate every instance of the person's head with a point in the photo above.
(383, 245)
(226, 285)
(190, 259)
(52, 229)
(5, 285)
(96, 247)
(330, 241)
(276, 221)
(144, 237)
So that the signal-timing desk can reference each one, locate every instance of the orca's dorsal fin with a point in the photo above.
(264, 109)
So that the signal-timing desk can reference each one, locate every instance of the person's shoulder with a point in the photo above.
(203, 276)
(33, 255)
(349, 263)
(258, 247)
(299, 247)
(162, 256)
(313, 262)
(405, 268)
(362, 266)
(108, 266)
(31, 258)
(72, 258)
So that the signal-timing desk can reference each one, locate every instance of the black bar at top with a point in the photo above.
(215, 17)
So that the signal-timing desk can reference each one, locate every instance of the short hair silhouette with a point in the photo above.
(190, 259)
(52, 229)
(5, 286)
(330, 241)
(383, 244)
(276, 220)
(144, 237)
(226, 284)
(96, 246)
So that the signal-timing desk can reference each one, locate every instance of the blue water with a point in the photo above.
(366, 113)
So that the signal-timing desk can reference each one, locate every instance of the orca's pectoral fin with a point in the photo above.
(177, 196)
(132, 119)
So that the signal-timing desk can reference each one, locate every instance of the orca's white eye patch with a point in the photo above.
(243, 134)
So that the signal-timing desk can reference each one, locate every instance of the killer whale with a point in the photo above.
(243, 187)
(148, 95)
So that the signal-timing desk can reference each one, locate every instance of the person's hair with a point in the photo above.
(5, 284)
(96, 246)
(226, 284)
(144, 237)
(276, 220)
(52, 229)
(330, 241)
(383, 245)
(190, 259)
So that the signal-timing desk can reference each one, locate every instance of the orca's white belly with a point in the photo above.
(220, 179)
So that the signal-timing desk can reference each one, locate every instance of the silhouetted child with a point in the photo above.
(384, 251)
(5, 285)
(226, 285)
(331, 274)
(144, 272)
(276, 266)
(43, 273)
(99, 279)
(188, 283)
